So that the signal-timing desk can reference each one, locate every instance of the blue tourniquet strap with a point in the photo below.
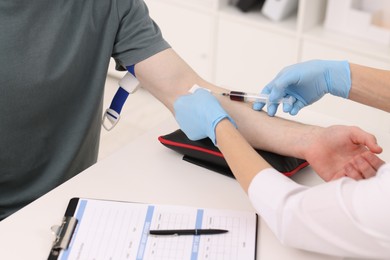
(119, 100)
(131, 69)
(127, 85)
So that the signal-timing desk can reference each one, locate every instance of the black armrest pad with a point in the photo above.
(205, 154)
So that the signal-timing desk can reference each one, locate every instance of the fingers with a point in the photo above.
(374, 161)
(272, 108)
(288, 103)
(362, 166)
(298, 105)
(352, 172)
(293, 108)
(260, 105)
(276, 90)
(269, 89)
(361, 137)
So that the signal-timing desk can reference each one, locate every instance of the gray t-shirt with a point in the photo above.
(54, 56)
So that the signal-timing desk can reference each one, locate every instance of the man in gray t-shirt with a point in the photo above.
(54, 56)
(54, 60)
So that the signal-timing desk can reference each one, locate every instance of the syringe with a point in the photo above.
(251, 97)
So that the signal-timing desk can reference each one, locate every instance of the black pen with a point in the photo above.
(180, 232)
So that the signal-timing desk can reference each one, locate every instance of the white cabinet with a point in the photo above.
(248, 58)
(252, 49)
(316, 50)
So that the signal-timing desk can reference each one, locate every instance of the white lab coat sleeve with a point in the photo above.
(343, 217)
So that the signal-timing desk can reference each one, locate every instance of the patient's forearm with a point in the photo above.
(269, 133)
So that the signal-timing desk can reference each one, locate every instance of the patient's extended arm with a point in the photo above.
(166, 76)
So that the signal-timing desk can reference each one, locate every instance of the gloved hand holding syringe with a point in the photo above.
(251, 97)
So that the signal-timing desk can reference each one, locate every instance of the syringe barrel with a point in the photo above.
(247, 97)
(251, 97)
(237, 96)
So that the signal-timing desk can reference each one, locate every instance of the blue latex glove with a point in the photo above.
(198, 114)
(307, 82)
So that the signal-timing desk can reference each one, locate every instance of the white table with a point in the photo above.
(143, 171)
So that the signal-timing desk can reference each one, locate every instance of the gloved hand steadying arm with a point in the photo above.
(307, 82)
(198, 114)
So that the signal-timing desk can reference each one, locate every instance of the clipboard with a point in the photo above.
(106, 229)
(64, 232)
